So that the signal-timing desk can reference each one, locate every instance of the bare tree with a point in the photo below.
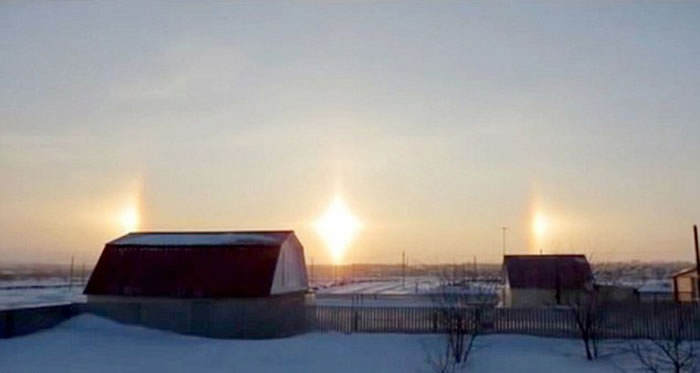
(670, 350)
(588, 312)
(460, 303)
(597, 308)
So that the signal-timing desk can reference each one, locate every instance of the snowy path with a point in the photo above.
(90, 344)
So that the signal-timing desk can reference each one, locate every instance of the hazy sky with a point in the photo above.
(438, 122)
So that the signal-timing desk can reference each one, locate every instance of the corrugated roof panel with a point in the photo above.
(201, 238)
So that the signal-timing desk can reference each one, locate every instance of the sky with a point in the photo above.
(574, 124)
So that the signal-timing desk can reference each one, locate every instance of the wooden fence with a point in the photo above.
(652, 321)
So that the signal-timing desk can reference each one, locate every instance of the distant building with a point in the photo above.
(545, 280)
(656, 292)
(616, 293)
(217, 284)
(685, 285)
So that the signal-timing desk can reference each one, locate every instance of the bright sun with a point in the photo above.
(337, 227)
(129, 219)
(540, 225)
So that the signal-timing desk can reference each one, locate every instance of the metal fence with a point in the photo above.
(641, 321)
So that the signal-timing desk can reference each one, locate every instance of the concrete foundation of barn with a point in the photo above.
(274, 316)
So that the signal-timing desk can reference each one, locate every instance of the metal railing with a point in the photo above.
(640, 321)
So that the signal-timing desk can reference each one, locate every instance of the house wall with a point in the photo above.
(686, 287)
(617, 294)
(526, 298)
(656, 296)
(268, 317)
(531, 298)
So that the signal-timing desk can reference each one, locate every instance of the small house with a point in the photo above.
(216, 284)
(685, 285)
(617, 294)
(658, 291)
(545, 280)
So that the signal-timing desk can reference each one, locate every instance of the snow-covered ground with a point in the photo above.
(90, 344)
(374, 300)
(397, 286)
(654, 286)
(412, 285)
(394, 292)
(22, 293)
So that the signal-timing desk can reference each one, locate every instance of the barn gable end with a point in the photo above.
(290, 272)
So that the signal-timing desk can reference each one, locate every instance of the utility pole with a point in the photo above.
(504, 239)
(403, 269)
(82, 274)
(334, 272)
(311, 281)
(697, 260)
(70, 275)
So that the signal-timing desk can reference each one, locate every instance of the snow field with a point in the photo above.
(89, 344)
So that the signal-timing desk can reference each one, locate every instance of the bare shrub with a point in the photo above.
(460, 304)
(671, 349)
(593, 308)
(588, 313)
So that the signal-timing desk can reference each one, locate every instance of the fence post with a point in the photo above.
(477, 320)
(356, 320)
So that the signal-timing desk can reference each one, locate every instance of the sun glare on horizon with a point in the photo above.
(540, 228)
(129, 219)
(540, 225)
(337, 226)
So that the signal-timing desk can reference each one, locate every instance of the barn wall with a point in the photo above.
(290, 272)
(269, 317)
(507, 297)
(525, 298)
(506, 294)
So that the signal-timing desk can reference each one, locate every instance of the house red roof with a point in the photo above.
(547, 271)
(189, 264)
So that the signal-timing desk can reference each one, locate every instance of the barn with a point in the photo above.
(544, 280)
(214, 284)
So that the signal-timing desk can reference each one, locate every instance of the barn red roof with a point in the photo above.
(547, 271)
(189, 264)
